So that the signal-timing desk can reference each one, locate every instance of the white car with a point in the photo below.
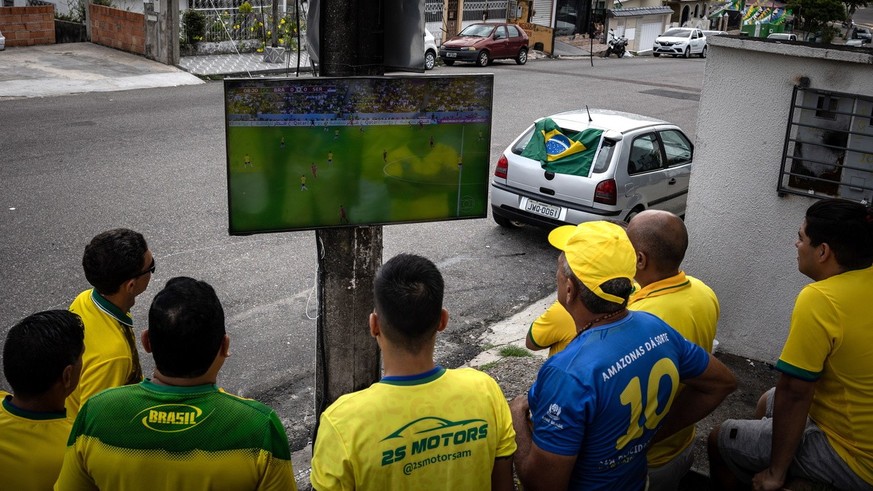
(640, 163)
(782, 36)
(2, 42)
(430, 50)
(680, 41)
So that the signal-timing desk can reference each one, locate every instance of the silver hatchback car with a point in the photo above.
(640, 163)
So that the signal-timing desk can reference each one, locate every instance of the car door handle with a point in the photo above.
(672, 181)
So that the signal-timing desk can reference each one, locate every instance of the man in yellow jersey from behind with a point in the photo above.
(422, 427)
(817, 424)
(42, 359)
(682, 301)
(119, 265)
(178, 430)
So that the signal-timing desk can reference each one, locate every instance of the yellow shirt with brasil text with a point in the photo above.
(690, 307)
(439, 430)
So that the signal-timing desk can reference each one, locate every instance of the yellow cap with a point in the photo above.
(597, 252)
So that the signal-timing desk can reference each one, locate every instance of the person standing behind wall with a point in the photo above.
(119, 265)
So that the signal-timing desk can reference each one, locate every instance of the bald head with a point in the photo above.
(662, 237)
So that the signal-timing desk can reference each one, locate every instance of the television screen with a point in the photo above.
(306, 153)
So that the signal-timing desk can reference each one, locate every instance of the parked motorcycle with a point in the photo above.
(617, 45)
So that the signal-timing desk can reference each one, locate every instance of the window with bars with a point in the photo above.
(828, 148)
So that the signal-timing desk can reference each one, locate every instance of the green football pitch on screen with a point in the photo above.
(289, 170)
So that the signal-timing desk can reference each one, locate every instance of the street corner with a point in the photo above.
(74, 68)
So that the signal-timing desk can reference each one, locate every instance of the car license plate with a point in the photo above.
(451, 54)
(543, 209)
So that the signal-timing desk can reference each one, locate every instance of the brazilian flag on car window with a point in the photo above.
(564, 153)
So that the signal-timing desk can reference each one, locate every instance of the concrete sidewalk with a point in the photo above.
(73, 68)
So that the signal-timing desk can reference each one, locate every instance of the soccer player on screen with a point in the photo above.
(344, 218)
(314, 169)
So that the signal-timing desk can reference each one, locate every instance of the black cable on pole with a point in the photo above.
(297, 15)
(590, 33)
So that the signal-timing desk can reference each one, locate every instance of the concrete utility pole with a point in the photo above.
(162, 31)
(347, 358)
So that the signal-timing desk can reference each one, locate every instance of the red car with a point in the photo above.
(484, 42)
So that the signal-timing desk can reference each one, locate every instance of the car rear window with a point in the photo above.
(604, 156)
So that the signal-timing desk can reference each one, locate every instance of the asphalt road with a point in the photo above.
(154, 160)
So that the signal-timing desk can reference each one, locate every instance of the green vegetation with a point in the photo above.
(193, 25)
(488, 366)
(512, 350)
(815, 16)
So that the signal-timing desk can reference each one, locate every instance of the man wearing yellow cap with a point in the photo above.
(588, 419)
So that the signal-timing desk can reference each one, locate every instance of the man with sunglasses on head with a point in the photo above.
(119, 265)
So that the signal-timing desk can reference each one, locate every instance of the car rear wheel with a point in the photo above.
(448, 62)
(521, 59)
(483, 59)
(656, 54)
(429, 60)
(503, 222)
(687, 52)
(703, 53)
(632, 214)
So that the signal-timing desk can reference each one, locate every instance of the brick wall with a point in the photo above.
(118, 29)
(28, 26)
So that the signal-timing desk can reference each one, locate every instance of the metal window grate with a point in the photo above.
(828, 148)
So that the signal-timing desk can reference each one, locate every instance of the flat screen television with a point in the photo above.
(308, 153)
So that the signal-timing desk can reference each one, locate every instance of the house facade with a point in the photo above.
(780, 125)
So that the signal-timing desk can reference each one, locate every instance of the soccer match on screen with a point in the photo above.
(329, 152)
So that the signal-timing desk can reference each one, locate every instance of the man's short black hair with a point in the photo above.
(39, 347)
(186, 327)
(408, 291)
(846, 227)
(113, 257)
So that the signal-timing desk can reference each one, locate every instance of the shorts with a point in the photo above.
(669, 475)
(745, 447)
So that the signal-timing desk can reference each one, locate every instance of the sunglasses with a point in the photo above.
(151, 269)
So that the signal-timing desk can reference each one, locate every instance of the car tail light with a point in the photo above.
(605, 192)
(503, 167)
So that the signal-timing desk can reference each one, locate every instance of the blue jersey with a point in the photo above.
(604, 396)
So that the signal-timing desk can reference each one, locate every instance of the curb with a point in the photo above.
(510, 332)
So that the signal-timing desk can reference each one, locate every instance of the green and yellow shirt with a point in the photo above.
(148, 436)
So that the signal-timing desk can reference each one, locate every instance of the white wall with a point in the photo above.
(742, 234)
